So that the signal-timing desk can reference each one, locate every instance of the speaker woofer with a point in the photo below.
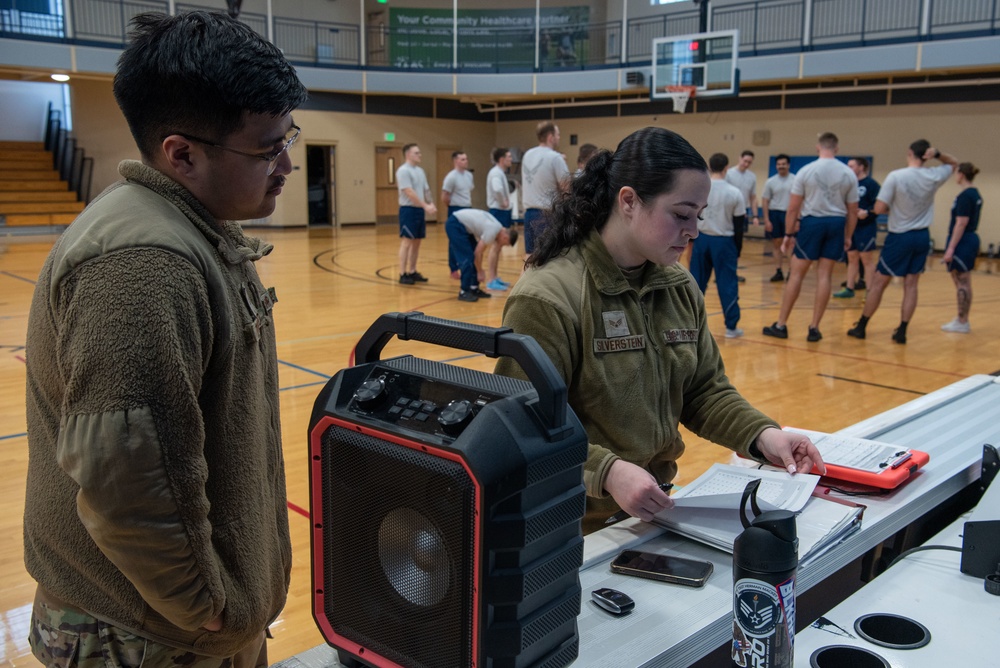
(414, 557)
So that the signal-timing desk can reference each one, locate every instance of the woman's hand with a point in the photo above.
(636, 490)
(789, 450)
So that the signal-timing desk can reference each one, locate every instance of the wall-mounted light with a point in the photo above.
(60, 77)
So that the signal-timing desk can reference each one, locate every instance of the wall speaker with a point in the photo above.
(446, 505)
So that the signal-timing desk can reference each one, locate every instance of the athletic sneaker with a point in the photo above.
(467, 296)
(406, 279)
(778, 277)
(480, 293)
(845, 293)
(741, 279)
(776, 332)
(457, 275)
(418, 277)
(857, 331)
(734, 333)
(813, 335)
(496, 284)
(898, 336)
(956, 327)
(859, 284)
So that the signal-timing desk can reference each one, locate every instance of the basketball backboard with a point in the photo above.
(706, 61)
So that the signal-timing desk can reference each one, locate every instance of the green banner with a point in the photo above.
(487, 38)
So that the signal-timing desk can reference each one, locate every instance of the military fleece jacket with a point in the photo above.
(635, 361)
(156, 486)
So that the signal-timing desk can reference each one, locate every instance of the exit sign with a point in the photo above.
(390, 136)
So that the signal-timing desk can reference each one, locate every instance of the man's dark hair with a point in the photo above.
(746, 153)
(863, 163)
(782, 156)
(407, 147)
(455, 154)
(648, 161)
(199, 73)
(587, 151)
(512, 233)
(828, 140)
(718, 162)
(920, 147)
(499, 153)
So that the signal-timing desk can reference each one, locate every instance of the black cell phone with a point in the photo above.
(678, 570)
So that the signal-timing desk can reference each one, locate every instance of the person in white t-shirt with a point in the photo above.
(456, 193)
(470, 232)
(714, 249)
(740, 176)
(415, 202)
(907, 195)
(822, 213)
(544, 175)
(774, 200)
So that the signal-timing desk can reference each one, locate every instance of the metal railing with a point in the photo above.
(765, 26)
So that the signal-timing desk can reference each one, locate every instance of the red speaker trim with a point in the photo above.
(316, 504)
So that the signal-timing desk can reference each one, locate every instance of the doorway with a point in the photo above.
(321, 170)
(387, 160)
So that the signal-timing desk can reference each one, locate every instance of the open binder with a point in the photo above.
(707, 510)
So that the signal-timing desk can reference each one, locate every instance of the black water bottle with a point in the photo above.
(765, 559)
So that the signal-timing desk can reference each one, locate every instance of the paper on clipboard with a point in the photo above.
(856, 453)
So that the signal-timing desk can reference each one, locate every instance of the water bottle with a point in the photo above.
(765, 559)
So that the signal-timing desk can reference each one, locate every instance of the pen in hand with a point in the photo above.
(623, 514)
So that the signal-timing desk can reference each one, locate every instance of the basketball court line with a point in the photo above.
(870, 384)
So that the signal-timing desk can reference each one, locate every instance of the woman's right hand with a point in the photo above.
(636, 490)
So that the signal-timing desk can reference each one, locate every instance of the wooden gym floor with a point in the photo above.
(332, 285)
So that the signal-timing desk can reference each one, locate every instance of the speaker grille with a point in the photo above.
(396, 580)
(550, 621)
(558, 516)
(554, 569)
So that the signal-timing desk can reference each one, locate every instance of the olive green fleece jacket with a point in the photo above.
(156, 486)
(636, 363)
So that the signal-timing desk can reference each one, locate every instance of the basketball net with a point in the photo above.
(680, 95)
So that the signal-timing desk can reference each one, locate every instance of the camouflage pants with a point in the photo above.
(70, 638)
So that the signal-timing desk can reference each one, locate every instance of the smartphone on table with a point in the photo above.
(662, 567)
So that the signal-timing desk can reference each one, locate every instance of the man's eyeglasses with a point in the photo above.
(270, 158)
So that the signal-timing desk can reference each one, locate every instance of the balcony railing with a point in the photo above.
(765, 26)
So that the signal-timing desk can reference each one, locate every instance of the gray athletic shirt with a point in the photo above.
(480, 224)
(745, 181)
(909, 194)
(777, 190)
(542, 170)
(411, 176)
(725, 202)
(827, 186)
(460, 185)
(497, 189)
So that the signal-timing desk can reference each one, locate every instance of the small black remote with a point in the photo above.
(612, 600)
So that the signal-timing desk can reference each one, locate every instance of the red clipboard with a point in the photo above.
(903, 463)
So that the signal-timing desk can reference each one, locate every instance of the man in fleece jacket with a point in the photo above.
(156, 522)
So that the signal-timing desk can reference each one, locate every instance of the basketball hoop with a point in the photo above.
(680, 95)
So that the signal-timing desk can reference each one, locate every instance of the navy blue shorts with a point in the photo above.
(534, 221)
(966, 252)
(777, 219)
(820, 237)
(503, 216)
(863, 239)
(905, 253)
(411, 222)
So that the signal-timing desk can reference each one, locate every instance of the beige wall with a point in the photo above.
(881, 132)
(356, 137)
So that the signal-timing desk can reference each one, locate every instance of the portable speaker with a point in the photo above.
(446, 505)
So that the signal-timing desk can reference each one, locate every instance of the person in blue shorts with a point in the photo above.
(862, 250)
(415, 203)
(963, 245)
(774, 200)
(822, 212)
(908, 197)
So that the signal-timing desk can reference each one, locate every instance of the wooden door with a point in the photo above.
(387, 161)
(444, 165)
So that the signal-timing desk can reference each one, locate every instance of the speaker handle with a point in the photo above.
(490, 341)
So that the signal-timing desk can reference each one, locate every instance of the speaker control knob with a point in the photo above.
(370, 393)
(456, 416)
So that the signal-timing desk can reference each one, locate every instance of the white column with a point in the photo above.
(925, 18)
(624, 41)
(807, 23)
(270, 22)
(538, 31)
(363, 35)
(454, 34)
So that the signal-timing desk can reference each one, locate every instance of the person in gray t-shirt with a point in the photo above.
(822, 213)
(415, 201)
(908, 197)
(774, 200)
